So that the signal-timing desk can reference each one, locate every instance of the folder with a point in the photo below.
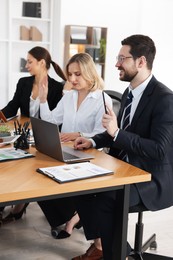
(74, 172)
(32, 9)
(35, 34)
(24, 33)
(8, 154)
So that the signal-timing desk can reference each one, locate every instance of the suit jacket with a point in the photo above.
(149, 143)
(21, 98)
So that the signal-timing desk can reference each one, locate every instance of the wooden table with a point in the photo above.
(20, 182)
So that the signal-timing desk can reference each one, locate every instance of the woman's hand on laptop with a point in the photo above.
(82, 143)
(66, 137)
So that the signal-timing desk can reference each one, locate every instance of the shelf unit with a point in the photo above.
(90, 39)
(10, 39)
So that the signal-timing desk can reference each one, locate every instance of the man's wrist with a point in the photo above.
(116, 134)
(93, 143)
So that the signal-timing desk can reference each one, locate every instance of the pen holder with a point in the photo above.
(21, 142)
(23, 131)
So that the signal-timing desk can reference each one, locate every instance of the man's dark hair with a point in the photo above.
(141, 45)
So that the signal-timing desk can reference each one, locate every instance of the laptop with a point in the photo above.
(3, 118)
(47, 141)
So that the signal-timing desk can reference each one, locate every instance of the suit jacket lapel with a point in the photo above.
(142, 103)
(144, 100)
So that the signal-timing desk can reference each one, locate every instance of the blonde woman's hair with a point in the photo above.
(88, 70)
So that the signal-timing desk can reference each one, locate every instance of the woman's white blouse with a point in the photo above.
(87, 119)
(34, 107)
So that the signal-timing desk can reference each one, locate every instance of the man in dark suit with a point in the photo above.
(147, 143)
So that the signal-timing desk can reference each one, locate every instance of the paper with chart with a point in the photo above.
(7, 154)
(75, 171)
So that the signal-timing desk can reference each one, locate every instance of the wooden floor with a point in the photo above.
(29, 238)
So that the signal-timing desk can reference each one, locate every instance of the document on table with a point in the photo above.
(73, 172)
(7, 154)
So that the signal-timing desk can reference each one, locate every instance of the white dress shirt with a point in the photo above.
(137, 94)
(87, 119)
(34, 107)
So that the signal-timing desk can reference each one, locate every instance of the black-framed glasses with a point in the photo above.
(120, 59)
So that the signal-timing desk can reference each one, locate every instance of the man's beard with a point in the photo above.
(128, 77)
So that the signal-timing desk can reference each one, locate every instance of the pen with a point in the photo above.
(26, 124)
(19, 127)
(28, 132)
(104, 102)
(15, 127)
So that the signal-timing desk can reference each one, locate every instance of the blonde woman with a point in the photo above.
(80, 112)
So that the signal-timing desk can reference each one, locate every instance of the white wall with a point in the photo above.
(123, 18)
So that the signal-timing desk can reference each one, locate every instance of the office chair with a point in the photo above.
(138, 252)
(116, 99)
(139, 248)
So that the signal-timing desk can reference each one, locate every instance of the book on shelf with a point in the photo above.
(96, 36)
(35, 34)
(31, 9)
(94, 53)
(24, 33)
(23, 65)
(79, 35)
(73, 172)
(90, 51)
(97, 55)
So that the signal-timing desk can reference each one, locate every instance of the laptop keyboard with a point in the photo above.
(68, 156)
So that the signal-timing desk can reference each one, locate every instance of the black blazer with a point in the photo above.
(149, 143)
(21, 98)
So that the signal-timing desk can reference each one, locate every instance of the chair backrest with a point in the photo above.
(116, 99)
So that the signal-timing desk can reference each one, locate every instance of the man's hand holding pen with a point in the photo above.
(109, 121)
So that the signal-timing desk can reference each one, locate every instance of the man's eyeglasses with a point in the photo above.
(120, 59)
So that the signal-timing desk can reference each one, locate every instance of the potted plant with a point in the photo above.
(102, 53)
(4, 130)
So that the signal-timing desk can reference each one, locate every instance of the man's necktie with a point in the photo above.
(126, 121)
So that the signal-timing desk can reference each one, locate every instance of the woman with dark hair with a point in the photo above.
(26, 98)
(26, 95)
